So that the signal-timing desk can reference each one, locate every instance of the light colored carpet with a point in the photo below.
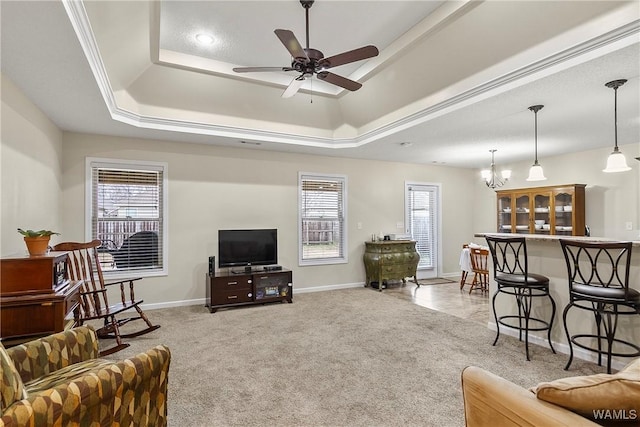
(353, 357)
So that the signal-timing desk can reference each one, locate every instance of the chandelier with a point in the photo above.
(491, 177)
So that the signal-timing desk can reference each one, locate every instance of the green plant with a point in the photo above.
(39, 233)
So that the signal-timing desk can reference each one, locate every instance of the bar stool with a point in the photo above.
(598, 274)
(511, 273)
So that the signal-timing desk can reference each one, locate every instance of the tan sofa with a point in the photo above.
(60, 381)
(490, 400)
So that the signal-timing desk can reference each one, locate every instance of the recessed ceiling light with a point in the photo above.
(205, 39)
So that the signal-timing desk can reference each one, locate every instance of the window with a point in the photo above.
(127, 203)
(322, 219)
(422, 224)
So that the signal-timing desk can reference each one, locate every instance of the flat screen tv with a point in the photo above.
(247, 247)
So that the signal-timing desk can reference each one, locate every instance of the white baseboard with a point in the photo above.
(327, 288)
(202, 301)
(578, 353)
(170, 304)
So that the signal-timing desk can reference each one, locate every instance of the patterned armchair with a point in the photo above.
(58, 380)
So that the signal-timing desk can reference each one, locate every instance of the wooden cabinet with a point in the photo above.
(31, 315)
(390, 260)
(228, 289)
(553, 210)
(22, 273)
(36, 296)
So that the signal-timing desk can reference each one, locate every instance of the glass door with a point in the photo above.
(422, 213)
(523, 209)
(541, 215)
(504, 213)
(563, 213)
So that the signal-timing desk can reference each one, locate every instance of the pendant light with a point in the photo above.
(616, 161)
(491, 177)
(536, 173)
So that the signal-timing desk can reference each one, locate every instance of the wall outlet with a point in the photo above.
(628, 225)
(359, 226)
(400, 225)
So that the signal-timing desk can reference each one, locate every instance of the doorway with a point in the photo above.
(422, 223)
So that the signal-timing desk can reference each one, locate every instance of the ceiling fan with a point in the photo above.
(310, 61)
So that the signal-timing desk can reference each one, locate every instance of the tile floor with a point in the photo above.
(446, 297)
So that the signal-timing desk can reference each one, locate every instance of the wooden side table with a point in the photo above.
(390, 260)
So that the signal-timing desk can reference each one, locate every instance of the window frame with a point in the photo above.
(344, 258)
(99, 162)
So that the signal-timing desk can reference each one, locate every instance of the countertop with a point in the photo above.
(555, 238)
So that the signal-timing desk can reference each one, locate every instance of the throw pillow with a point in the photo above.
(602, 398)
(11, 389)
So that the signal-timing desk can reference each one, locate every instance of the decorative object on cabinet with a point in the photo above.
(390, 260)
(491, 177)
(228, 289)
(616, 161)
(551, 210)
(83, 264)
(37, 241)
(536, 173)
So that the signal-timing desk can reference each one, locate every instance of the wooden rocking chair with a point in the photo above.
(83, 264)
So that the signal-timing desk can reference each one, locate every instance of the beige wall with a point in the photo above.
(213, 188)
(30, 178)
(611, 199)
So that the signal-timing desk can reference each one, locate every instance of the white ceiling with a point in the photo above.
(453, 79)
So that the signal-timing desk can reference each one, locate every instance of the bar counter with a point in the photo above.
(546, 257)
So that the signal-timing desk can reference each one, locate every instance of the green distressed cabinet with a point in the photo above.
(390, 260)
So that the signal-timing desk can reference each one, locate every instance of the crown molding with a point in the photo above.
(618, 38)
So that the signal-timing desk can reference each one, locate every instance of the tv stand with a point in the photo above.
(235, 288)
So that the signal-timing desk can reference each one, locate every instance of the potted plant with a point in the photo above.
(37, 241)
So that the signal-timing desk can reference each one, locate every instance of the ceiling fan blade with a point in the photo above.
(348, 57)
(260, 69)
(291, 43)
(339, 80)
(293, 87)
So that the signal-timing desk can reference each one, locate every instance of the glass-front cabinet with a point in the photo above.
(554, 210)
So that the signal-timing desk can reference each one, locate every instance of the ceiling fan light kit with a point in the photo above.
(307, 61)
(536, 173)
(616, 161)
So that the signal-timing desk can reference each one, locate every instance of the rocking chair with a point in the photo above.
(83, 264)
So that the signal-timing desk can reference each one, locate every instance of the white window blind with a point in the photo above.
(322, 219)
(127, 216)
(421, 222)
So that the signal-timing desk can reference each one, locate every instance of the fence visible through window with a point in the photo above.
(321, 238)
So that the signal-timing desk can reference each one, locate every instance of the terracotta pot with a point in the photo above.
(37, 245)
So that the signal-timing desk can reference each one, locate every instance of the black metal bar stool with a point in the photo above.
(511, 273)
(598, 274)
